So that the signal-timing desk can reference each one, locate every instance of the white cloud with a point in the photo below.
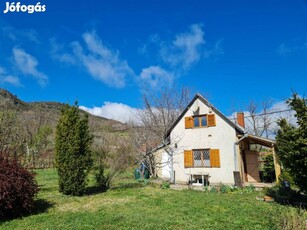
(285, 49)
(115, 111)
(57, 53)
(185, 49)
(18, 35)
(5, 78)
(101, 62)
(27, 64)
(156, 77)
(215, 51)
(11, 80)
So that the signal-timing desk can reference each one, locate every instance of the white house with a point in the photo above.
(204, 146)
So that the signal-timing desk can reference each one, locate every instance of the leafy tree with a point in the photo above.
(291, 142)
(18, 188)
(72, 151)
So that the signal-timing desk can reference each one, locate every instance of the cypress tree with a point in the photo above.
(72, 151)
(291, 143)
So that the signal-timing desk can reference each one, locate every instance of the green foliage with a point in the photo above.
(225, 188)
(72, 151)
(222, 188)
(268, 168)
(248, 189)
(41, 138)
(213, 190)
(165, 185)
(291, 143)
(285, 175)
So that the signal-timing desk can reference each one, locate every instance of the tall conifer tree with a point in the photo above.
(291, 142)
(72, 151)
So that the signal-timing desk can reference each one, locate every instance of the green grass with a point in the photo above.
(130, 205)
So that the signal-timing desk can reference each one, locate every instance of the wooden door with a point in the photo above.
(252, 166)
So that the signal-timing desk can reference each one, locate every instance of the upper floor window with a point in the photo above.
(205, 120)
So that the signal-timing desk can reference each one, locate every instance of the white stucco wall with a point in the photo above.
(222, 137)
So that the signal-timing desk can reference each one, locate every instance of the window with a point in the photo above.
(200, 121)
(196, 122)
(205, 120)
(202, 158)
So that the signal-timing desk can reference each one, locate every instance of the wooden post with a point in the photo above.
(276, 164)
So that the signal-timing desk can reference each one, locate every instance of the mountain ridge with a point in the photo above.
(50, 111)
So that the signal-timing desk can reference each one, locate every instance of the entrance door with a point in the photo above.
(252, 171)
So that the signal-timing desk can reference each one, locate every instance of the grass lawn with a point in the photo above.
(131, 205)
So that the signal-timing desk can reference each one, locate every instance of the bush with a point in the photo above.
(165, 185)
(225, 188)
(248, 189)
(17, 189)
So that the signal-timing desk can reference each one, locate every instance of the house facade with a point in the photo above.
(204, 146)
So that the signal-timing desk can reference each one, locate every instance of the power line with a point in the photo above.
(262, 114)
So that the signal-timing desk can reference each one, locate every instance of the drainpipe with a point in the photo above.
(235, 151)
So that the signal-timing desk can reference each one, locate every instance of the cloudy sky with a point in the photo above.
(101, 53)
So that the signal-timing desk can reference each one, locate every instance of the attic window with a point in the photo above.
(200, 121)
(205, 120)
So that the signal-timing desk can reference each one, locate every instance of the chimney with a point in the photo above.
(240, 119)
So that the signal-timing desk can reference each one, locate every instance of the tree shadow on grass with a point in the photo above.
(287, 196)
(93, 190)
(40, 206)
(296, 200)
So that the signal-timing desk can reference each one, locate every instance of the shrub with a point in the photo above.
(17, 189)
(248, 189)
(213, 190)
(165, 185)
(225, 189)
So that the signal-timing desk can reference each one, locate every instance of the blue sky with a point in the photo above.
(102, 52)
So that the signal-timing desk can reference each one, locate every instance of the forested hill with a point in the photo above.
(35, 114)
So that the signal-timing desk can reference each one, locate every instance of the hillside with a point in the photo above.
(35, 114)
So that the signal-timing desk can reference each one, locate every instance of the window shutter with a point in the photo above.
(215, 158)
(188, 122)
(188, 158)
(211, 120)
